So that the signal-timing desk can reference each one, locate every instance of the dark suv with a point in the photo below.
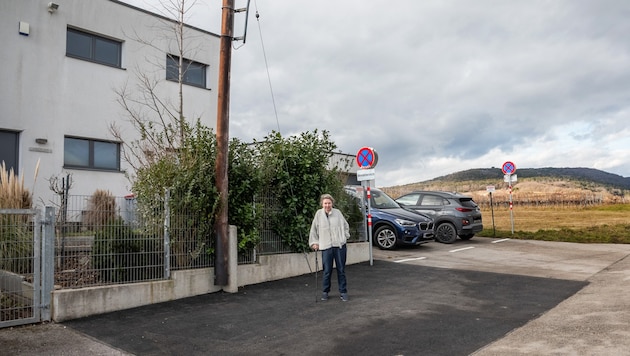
(453, 214)
(392, 225)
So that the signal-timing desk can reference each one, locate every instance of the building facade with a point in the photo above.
(64, 65)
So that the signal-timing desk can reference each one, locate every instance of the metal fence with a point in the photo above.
(24, 290)
(272, 243)
(98, 240)
(101, 239)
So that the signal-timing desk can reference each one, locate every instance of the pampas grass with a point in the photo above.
(101, 209)
(16, 236)
(13, 195)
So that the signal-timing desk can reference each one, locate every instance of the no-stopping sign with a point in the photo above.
(367, 158)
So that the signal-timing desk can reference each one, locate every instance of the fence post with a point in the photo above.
(232, 267)
(167, 239)
(48, 262)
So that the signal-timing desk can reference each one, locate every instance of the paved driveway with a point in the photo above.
(573, 261)
(395, 309)
(480, 297)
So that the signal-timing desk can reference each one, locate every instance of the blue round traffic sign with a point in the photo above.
(508, 167)
(366, 157)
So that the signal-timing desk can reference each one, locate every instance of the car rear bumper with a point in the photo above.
(471, 229)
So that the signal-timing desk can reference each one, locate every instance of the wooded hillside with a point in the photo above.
(534, 186)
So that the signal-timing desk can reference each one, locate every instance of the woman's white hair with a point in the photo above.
(326, 196)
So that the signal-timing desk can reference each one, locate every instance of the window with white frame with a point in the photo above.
(93, 48)
(193, 73)
(91, 154)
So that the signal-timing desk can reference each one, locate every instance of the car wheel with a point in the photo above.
(385, 238)
(446, 233)
(466, 237)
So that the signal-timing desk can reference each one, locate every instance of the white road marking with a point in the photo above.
(410, 259)
(497, 241)
(461, 249)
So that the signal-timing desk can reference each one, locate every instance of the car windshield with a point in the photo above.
(381, 200)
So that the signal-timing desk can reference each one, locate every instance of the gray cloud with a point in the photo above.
(441, 86)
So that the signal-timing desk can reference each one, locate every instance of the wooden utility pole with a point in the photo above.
(223, 123)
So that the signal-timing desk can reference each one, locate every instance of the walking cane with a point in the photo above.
(316, 266)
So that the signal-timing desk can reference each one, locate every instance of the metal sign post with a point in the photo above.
(367, 211)
(369, 219)
(511, 203)
(490, 189)
(366, 160)
(508, 169)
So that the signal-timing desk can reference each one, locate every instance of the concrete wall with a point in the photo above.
(14, 284)
(77, 303)
(274, 267)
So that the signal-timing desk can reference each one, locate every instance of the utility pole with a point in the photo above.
(223, 123)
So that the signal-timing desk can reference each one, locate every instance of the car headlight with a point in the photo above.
(405, 223)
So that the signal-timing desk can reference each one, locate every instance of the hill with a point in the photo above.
(579, 185)
(581, 174)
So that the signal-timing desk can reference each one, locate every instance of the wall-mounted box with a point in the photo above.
(25, 28)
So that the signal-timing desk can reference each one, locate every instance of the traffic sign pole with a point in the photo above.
(490, 190)
(511, 203)
(366, 160)
(366, 209)
(369, 221)
(508, 169)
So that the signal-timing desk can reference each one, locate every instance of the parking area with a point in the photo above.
(482, 297)
(572, 261)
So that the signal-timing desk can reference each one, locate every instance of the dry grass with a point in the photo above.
(15, 234)
(13, 195)
(602, 224)
(101, 209)
(558, 217)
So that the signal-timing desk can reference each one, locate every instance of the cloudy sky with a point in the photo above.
(438, 86)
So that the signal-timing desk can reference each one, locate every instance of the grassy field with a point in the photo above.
(601, 224)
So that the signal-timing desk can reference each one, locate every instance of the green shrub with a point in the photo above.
(294, 170)
(189, 175)
(296, 173)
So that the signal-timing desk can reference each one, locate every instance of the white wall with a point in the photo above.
(45, 94)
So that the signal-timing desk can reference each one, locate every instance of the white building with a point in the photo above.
(62, 65)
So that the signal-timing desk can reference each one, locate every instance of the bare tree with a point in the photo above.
(161, 124)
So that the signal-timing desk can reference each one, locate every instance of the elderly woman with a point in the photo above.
(329, 232)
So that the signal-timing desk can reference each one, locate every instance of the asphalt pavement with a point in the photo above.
(394, 309)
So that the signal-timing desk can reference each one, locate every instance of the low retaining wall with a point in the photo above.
(274, 267)
(15, 285)
(77, 303)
